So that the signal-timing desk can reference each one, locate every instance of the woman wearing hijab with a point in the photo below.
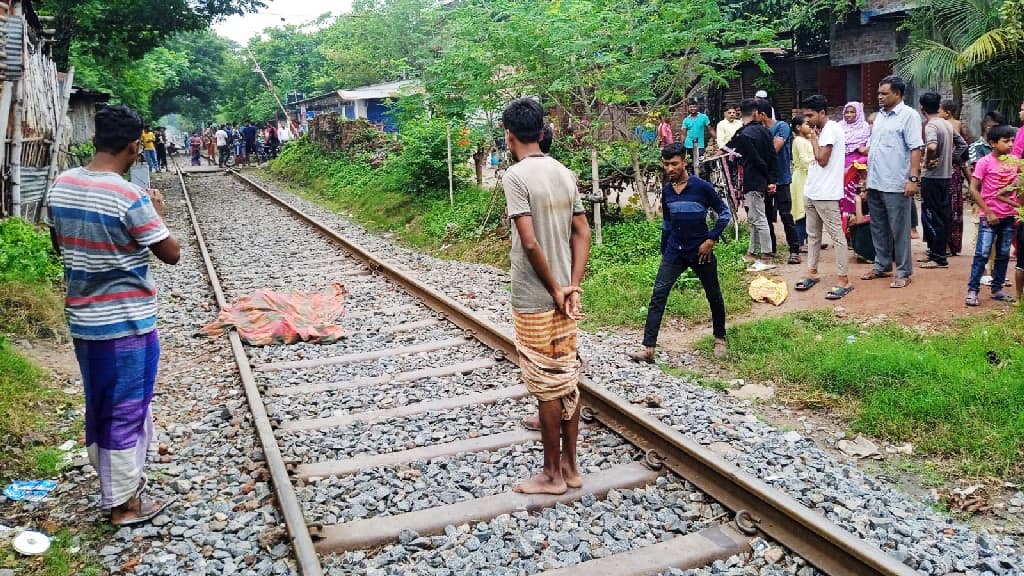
(857, 132)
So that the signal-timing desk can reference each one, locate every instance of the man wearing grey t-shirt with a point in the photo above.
(550, 247)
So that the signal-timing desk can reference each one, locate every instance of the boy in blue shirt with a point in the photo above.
(686, 242)
(695, 126)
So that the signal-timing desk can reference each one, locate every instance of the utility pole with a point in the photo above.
(270, 86)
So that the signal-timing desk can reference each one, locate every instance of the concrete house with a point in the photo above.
(371, 103)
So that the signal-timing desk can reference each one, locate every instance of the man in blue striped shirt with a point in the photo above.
(686, 243)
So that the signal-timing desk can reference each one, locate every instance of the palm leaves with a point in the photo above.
(975, 45)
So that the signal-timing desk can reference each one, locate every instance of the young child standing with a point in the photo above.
(993, 181)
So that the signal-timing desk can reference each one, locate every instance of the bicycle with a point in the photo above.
(722, 178)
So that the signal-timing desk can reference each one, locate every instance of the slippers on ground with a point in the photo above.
(148, 509)
(837, 292)
(934, 264)
(971, 299)
(806, 283)
(901, 282)
(794, 258)
(875, 274)
(1004, 297)
(525, 422)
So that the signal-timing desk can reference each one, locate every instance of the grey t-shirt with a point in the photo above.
(541, 187)
(940, 132)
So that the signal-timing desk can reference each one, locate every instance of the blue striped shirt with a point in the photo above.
(684, 225)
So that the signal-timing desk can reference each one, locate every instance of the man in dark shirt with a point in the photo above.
(780, 204)
(249, 136)
(760, 172)
(686, 242)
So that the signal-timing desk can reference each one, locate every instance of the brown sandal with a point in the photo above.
(901, 282)
(874, 274)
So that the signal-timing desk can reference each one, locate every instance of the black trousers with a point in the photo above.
(668, 273)
(780, 205)
(937, 216)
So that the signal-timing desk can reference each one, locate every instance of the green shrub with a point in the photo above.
(464, 220)
(26, 254)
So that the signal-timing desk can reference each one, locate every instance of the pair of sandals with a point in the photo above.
(834, 293)
(972, 298)
(899, 282)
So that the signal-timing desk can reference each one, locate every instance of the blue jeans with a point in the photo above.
(1000, 236)
(154, 165)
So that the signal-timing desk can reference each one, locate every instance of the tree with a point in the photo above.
(119, 31)
(590, 57)
(381, 41)
(976, 46)
(195, 90)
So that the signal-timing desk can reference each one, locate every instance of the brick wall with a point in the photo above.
(878, 41)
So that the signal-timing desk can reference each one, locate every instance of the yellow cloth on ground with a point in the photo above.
(764, 289)
(546, 342)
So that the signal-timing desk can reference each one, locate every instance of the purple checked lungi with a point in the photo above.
(119, 375)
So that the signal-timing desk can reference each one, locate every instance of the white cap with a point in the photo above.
(760, 94)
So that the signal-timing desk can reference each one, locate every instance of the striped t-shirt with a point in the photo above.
(104, 226)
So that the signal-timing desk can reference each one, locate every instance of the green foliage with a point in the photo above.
(83, 152)
(475, 213)
(113, 33)
(943, 392)
(422, 164)
(976, 45)
(26, 254)
(380, 41)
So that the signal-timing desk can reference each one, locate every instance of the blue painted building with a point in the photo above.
(371, 102)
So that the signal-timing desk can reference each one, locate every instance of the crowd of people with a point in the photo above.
(854, 178)
(242, 144)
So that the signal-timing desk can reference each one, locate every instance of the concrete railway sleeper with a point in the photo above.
(407, 430)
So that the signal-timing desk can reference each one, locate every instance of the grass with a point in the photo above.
(31, 309)
(698, 378)
(957, 395)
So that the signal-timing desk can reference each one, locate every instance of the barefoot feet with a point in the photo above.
(571, 474)
(541, 484)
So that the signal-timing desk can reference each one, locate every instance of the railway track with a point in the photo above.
(407, 430)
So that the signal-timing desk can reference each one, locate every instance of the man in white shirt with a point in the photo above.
(728, 126)
(222, 145)
(822, 193)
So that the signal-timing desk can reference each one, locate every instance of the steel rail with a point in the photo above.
(758, 506)
(302, 542)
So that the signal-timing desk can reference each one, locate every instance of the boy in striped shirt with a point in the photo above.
(105, 228)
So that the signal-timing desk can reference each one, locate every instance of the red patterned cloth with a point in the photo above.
(264, 317)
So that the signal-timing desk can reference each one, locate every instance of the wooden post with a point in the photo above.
(16, 145)
(58, 131)
(5, 117)
(451, 180)
(595, 178)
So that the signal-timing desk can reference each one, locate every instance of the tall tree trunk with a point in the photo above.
(639, 183)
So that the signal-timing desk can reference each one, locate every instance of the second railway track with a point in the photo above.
(401, 442)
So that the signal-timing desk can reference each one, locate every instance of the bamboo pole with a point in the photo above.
(451, 181)
(16, 145)
(58, 130)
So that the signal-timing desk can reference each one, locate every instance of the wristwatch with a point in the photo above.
(914, 179)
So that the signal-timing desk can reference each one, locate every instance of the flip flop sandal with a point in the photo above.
(1003, 297)
(837, 292)
(971, 299)
(806, 283)
(148, 509)
(874, 274)
(794, 259)
(933, 264)
(900, 282)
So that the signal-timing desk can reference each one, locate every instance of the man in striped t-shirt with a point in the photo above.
(105, 228)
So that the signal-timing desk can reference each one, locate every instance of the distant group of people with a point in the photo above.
(154, 147)
(243, 143)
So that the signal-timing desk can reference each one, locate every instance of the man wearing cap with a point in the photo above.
(762, 95)
(695, 126)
